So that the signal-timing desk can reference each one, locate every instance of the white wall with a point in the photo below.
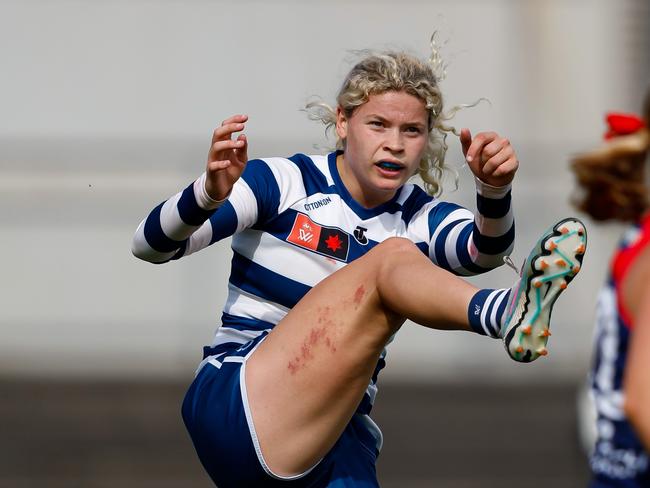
(107, 109)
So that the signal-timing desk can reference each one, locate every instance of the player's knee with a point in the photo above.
(391, 252)
(388, 255)
(396, 247)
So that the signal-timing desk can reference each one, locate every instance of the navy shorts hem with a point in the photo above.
(216, 414)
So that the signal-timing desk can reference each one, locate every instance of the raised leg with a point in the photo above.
(306, 379)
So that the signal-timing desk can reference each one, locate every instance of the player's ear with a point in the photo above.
(341, 124)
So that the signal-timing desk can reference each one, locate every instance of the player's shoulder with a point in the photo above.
(419, 205)
(312, 169)
(297, 161)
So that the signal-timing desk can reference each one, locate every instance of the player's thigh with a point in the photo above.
(218, 421)
(307, 378)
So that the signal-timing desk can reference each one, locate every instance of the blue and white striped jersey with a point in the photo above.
(294, 223)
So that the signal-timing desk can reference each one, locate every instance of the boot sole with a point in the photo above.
(552, 264)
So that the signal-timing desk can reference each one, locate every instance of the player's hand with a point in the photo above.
(491, 157)
(227, 157)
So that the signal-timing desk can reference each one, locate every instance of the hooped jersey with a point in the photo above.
(618, 458)
(293, 223)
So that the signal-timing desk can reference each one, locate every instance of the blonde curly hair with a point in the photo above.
(388, 71)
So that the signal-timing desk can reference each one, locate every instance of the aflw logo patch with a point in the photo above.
(328, 241)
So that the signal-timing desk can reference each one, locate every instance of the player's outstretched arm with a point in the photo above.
(179, 226)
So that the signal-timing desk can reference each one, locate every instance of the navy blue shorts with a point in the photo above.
(216, 414)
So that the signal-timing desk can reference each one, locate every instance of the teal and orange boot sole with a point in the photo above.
(551, 265)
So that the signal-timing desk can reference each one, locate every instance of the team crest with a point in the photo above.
(328, 241)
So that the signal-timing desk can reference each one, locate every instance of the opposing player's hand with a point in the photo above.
(491, 157)
(227, 157)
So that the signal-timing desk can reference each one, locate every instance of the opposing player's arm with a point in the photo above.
(637, 380)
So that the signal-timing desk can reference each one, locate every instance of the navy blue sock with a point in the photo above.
(486, 310)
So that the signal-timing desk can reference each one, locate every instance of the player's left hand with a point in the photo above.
(491, 157)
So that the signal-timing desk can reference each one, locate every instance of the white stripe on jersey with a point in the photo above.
(200, 239)
(171, 222)
(321, 163)
(242, 304)
(274, 254)
(406, 192)
(141, 248)
(244, 202)
(494, 227)
(450, 245)
(458, 214)
(418, 227)
(286, 174)
(227, 334)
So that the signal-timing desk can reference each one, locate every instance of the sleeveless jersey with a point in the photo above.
(619, 458)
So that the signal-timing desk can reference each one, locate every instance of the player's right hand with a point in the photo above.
(227, 157)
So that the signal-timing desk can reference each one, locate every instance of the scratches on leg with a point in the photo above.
(358, 296)
(317, 337)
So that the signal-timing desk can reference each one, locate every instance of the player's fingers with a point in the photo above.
(508, 167)
(225, 131)
(465, 140)
(227, 144)
(218, 165)
(494, 162)
(217, 149)
(242, 148)
(491, 149)
(241, 152)
(239, 118)
(479, 141)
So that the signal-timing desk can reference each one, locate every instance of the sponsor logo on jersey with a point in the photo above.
(328, 241)
(317, 204)
(359, 235)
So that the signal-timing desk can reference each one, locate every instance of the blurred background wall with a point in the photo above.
(108, 107)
